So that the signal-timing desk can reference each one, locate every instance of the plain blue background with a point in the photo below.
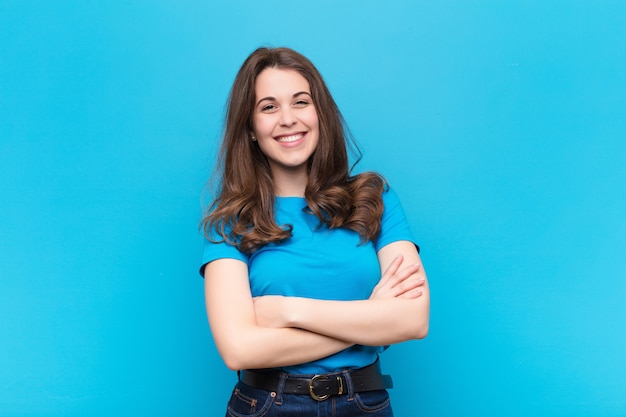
(502, 126)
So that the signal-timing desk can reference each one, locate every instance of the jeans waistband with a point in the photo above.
(320, 386)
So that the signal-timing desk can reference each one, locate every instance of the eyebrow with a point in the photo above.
(299, 93)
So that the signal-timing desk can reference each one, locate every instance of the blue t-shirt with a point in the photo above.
(317, 262)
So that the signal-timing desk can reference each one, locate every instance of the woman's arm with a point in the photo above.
(242, 343)
(377, 321)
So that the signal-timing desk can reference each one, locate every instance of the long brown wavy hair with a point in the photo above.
(242, 213)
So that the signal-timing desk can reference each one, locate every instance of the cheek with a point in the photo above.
(312, 120)
(261, 126)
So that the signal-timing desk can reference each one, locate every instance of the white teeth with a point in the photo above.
(291, 138)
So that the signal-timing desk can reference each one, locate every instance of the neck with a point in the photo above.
(290, 184)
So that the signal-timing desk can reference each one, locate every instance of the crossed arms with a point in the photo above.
(273, 331)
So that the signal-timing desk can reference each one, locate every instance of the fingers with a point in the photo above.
(398, 282)
(414, 293)
(408, 285)
(405, 273)
(401, 276)
(391, 269)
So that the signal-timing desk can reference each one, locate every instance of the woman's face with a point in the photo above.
(284, 120)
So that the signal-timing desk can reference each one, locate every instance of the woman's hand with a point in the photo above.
(272, 310)
(397, 310)
(397, 282)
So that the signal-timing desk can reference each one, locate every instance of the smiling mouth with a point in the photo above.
(290, 138)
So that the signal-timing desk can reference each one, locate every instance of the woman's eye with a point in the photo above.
(301, 103)
(268, 107)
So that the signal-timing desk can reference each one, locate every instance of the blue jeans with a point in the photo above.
(247, 401)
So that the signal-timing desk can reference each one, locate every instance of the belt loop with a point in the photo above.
(280, 388)
(350, 387)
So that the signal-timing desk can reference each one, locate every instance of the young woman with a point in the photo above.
(309, 272)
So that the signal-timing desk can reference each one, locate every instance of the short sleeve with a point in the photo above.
(218, 249)
(394, 226)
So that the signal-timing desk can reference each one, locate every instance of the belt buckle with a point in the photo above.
(325, 396)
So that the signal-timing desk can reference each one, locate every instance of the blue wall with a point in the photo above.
(502, 125)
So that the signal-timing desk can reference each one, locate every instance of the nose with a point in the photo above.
(287, 118)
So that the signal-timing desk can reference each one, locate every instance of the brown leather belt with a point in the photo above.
(319, 387)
